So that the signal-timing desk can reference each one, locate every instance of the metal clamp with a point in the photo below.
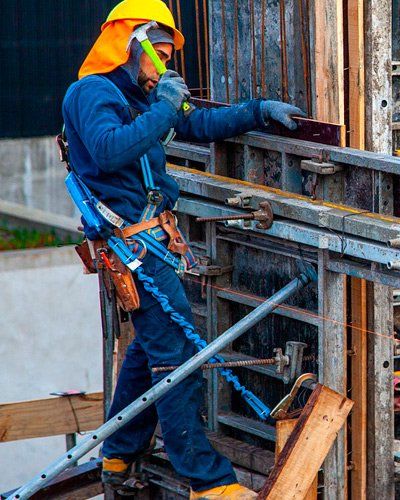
(320, 168)
(280, 412)
(294, 353)
(241, 200)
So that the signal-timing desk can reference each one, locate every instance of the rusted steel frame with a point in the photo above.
(199, 51)
(284, 66)
(206, 49)
(226, 69)
(69, 481)
(306, 149)
(304, 234)
(367, 228)
(263, 79)
(182, 51)
(253, 49)
(348, 156)
(305, 53)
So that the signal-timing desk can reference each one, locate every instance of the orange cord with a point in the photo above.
(289, 308)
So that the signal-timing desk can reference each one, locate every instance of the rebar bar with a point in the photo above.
(227, 364)
(199, 51)
(206, 42)
(226, 218)
(284, 66)
(224, 38)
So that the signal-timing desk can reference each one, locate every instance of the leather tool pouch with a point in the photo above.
(120, 275)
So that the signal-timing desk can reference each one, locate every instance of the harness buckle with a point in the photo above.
(154, 197)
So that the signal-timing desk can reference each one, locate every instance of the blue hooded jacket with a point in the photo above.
(106, 144)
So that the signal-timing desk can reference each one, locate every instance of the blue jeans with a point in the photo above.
(161, 342)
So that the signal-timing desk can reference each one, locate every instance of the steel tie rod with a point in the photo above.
(93, 439)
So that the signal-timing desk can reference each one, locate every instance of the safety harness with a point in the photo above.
(129, 243)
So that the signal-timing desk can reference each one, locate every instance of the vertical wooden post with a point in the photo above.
(328, 60)
(358, 294)
(378, 91)
(380, 477)
(332, 356)
(328, 65)
(378, 30)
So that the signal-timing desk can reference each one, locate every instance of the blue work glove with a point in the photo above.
(280, 112)
(172, 88)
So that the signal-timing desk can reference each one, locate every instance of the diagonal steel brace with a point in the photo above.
(93, 439)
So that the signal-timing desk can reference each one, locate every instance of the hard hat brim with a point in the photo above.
(179, 39)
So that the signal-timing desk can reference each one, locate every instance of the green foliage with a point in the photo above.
(22, 238)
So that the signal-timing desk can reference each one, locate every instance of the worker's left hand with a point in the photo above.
(281, 112)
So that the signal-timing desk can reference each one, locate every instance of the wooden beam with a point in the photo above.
(323, 416)
(328, 60)
(355, 33)
(284, 429)
(359, 388)
(50, 417)
(358, 299)
(332, 356)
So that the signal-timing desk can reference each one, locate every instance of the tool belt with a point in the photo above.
(98, 255)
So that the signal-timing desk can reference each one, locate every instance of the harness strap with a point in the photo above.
(140, 226)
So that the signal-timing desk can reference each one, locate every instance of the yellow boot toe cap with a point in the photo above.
(230, 491)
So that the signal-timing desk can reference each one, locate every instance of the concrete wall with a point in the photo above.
(50, 341)
(31, 174)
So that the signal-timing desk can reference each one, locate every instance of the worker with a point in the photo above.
(106, 141)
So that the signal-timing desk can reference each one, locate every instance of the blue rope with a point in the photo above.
(189, 330)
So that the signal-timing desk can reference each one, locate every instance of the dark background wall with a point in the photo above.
(42, 45)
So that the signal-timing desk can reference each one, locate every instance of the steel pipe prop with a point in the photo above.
(148, 398)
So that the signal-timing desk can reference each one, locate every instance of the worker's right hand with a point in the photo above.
(172, 88)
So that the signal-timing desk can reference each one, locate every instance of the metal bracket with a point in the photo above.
(320, 168)
(294, 352)
(241, 200)
(205, 268)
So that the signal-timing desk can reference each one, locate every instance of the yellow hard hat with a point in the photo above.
(146, 10)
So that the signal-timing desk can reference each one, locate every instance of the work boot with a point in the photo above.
(116, 472)
(229, 492)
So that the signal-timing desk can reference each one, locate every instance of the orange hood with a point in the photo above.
(109, 50)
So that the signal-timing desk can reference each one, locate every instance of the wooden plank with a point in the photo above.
(323, 416)
(328, 60)
(332, 358)
(284, 429)
(243, 454)
(355, 33)
(358, 301)
(359, 388)
(50, 417)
